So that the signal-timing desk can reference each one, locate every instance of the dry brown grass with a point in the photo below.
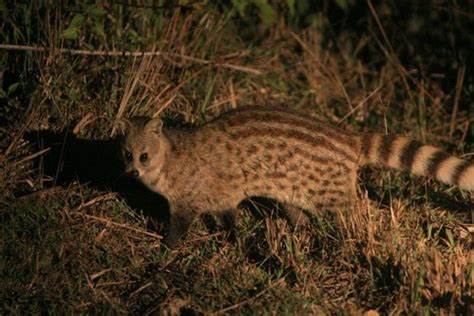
(73, 241)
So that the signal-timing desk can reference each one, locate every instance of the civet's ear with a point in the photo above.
(123, 125)
(154, 125)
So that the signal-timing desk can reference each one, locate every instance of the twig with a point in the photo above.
(457, 96)
(392, 57)
(29, 157)
(231, 307)
(466, 129)
(156, 7)
(332, 76)
(110, 222)
(141, 288)
(361, 103)
(42, 193)
(129, 54)
(97, 199)
(107, 221)
(205, 237)
(130, 86)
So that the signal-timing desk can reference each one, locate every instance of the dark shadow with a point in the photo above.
(261, 207)
(452, 203)
(257, 249)
(387, 277)
(447, 202)
(96, 163)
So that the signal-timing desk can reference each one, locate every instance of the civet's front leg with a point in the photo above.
(227, 219)
(227, 222)
(179, 224)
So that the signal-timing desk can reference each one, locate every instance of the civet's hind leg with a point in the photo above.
(295, 215)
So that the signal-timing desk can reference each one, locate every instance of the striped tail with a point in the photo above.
(401, 152)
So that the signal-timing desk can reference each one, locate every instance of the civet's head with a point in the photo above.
(143, 146)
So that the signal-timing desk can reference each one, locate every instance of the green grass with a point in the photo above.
(76, 236)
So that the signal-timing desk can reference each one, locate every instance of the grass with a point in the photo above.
(78, 236)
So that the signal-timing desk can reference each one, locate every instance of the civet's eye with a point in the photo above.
(143, 157)
(128, 156)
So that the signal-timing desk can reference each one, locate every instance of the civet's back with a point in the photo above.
(271, 152)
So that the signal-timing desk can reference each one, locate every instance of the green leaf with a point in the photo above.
(343, 4)
(74, 94)
(266, 11)
(291, 6)
(132, 35)
(76, 21)
(98, 29)
(240, 5)
(70, 33)
(96, 11)
(450, 237)
(12, 88)
(430, 231)
(302, 6)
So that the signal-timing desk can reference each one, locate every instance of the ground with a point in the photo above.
(79, 236)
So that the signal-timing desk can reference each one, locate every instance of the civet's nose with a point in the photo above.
(134, 173)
